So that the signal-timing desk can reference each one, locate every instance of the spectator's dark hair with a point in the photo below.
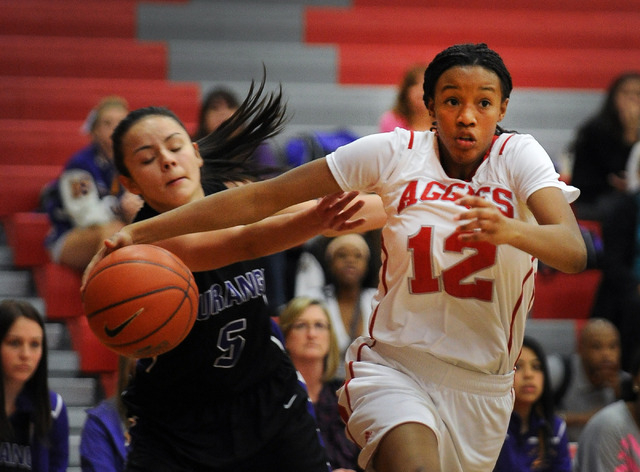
(461, 55)
(608, 116)
(214, 99)
(226, 152)
(544, 406)
(37, 387)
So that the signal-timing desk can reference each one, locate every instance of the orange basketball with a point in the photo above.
(141, 300)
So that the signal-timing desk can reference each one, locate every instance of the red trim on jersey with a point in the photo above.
(504, 144)
(383, 280)
(410, 146)
(486, 155)
(383, 272)
(517, 307)
(372, 321)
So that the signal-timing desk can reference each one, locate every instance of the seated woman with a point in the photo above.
(312, 346)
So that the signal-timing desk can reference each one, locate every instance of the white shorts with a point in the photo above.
(387, 386)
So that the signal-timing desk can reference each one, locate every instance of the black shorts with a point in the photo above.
(294, 446)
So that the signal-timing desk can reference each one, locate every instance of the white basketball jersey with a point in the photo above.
(465, 303)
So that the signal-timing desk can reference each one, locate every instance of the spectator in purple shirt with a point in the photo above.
(313, 348)
(537, 437)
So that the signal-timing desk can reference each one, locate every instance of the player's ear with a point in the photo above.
(431, 107)
(503, 109)
(198, 156)
(129, 184)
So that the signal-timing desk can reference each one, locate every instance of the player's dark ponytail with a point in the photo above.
(227, 151)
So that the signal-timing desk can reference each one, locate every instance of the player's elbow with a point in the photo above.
(577, 260)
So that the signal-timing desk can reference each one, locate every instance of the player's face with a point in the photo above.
(529, 379)
(308, 339)
(467, 106)
(349, 264)
(21, 351)
(163, 163)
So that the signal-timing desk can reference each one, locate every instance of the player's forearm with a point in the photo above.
(555, 245)
(239, 205)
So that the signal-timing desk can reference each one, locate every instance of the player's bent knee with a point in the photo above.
(411, 447)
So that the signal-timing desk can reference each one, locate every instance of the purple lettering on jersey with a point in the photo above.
(231, 292)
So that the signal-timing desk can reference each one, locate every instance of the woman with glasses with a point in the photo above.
(313, 348)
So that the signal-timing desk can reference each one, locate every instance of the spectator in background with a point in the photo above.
(311, 343)
(34, 426)
(602, 147)
(347, 298)
(610, 440)
(537, 437)
(618, 297)
(104, 441)
(409, 111)
(592, 378)
(86, 204)
(217, 106)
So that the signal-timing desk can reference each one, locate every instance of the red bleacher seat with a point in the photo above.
(94, 356)
(89, 57)
(565, 296)
(21, 186)
(97, 19)
(531, 28)
(53, 98)
(566, 49)
(37, 142)
(501, 5)
(529, 67)
(25, 233)
(59, 287)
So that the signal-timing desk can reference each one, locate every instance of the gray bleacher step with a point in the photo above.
(63, 363)
(6, 257)
(77, 416)
(81, 391)
(57, 336)
(235, 21)
(194, 60)
(74, 451)
(15, 283)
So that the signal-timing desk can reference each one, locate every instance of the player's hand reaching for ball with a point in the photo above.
(483, 221)
(120, 239)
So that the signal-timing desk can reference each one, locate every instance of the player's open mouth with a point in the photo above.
(465, 141)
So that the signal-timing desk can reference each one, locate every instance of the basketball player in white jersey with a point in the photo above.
(469, 210)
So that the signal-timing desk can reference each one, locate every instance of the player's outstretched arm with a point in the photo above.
(555, 240)
(237, 206)
(214, 249)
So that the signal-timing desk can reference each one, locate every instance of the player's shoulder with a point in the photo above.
(512, 143)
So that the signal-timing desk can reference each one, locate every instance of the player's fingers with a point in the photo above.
(341, 200)
(92, 263)
(352, 210)
(350, 225)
